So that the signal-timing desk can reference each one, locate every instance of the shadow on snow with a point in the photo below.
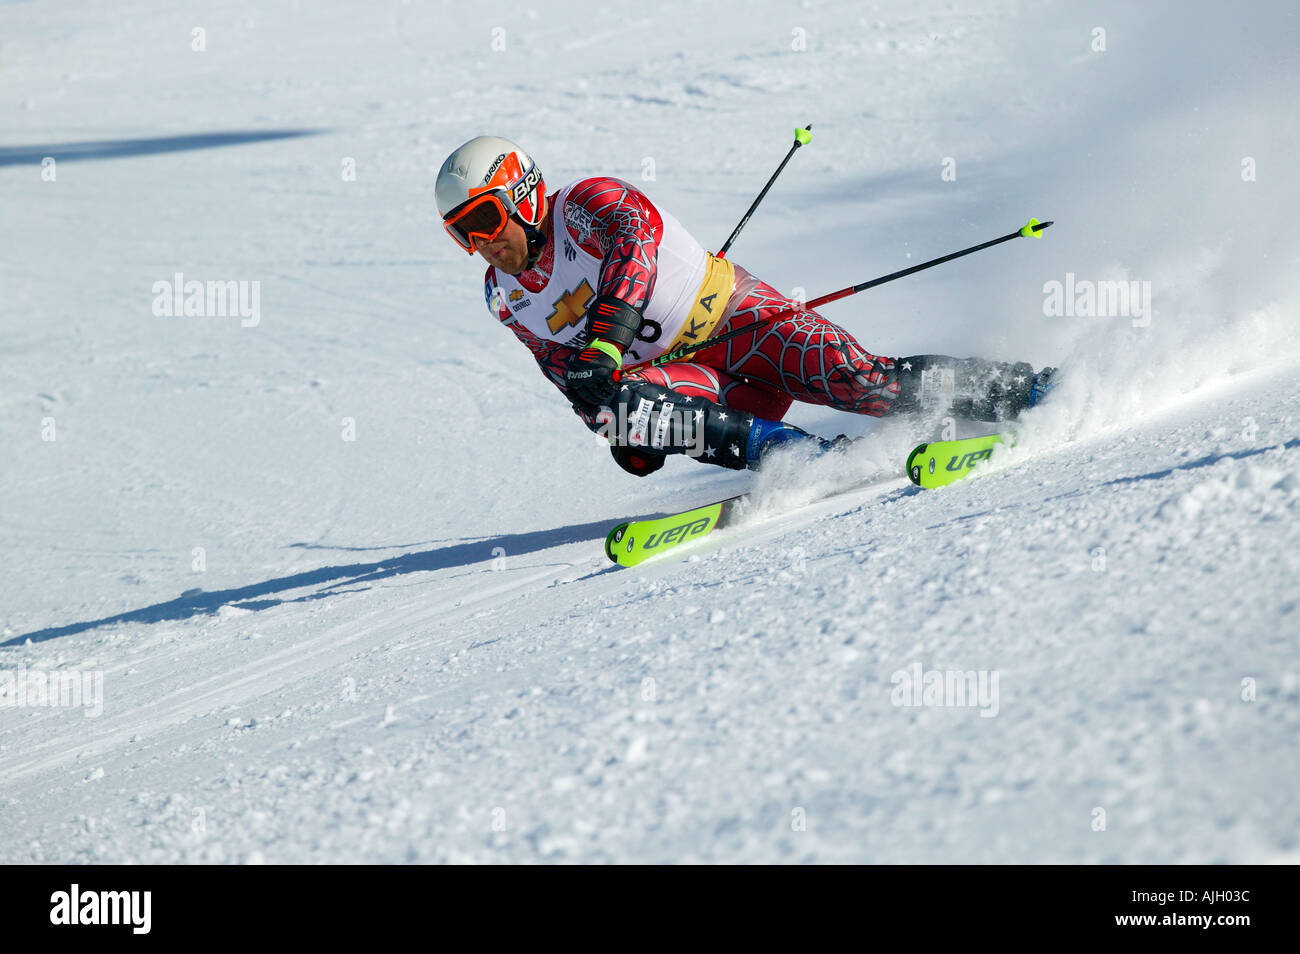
(124, 148)
(268, 593)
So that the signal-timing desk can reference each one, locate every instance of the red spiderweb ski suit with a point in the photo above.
(798, 356)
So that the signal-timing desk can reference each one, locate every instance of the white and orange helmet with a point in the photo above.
(485, 183)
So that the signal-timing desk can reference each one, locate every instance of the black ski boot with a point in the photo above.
(973, 388)
(646, 422)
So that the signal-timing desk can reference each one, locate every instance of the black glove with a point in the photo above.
(635, 460)
(590, 376)
(612, 325)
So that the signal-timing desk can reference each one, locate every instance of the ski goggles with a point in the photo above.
(480, 219)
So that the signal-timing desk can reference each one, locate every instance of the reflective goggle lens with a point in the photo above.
(481, 219)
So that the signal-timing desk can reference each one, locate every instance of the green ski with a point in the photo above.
(630, 543)
(929, 465)
(636, 541)
(941, 462)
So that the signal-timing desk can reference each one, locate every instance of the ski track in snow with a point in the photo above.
(410, 647)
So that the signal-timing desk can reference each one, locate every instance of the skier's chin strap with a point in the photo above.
(536, 243)
(534, 235)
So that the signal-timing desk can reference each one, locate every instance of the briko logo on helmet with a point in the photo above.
(499, 159)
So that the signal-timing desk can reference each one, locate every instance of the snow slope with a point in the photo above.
(409, 646)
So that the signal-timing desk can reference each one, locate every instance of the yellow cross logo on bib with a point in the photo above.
(570, 308)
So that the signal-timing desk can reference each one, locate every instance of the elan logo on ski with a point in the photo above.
(677, 534)
(968, 461)
(926, 465)
(630, 543)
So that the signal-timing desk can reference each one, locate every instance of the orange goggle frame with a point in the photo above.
(481, 219)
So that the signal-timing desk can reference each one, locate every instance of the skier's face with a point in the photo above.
(508, 251)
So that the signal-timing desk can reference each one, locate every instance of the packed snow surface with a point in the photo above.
(327, 574)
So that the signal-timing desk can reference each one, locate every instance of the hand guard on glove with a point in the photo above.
(612, 326)
(590, 375)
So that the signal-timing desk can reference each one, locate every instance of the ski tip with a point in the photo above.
(913, 467)
(614, 538)
(1034, 229)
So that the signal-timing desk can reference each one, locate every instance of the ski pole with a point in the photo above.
(1033, 228)
(801, 138)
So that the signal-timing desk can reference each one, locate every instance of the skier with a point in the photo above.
(595, 279)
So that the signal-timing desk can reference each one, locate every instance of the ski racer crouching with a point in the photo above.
(596, 277)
